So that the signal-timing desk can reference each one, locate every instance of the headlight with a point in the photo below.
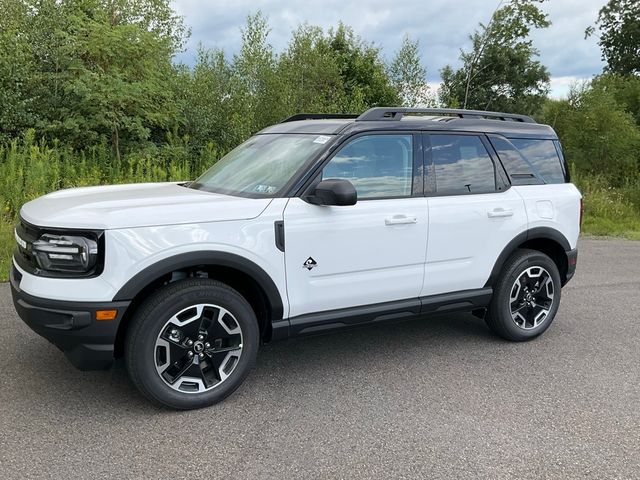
(65, 253)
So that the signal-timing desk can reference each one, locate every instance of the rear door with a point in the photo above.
(473, 214)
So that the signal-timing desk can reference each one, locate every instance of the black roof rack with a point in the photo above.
(320, 116)
(384, 113)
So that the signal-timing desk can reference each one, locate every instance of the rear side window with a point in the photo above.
(462, 165)
(529, 161)
(519, 170)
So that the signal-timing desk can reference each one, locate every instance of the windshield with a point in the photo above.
(261, 166)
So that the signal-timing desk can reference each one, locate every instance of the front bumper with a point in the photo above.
(71, 326)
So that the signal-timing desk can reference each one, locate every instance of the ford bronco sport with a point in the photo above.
(318, 223)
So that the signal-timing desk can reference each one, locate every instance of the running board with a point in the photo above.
(466, 300)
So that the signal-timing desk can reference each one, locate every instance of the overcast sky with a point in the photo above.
(441, 26)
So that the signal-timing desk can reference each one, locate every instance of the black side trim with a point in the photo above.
(320, 116)
(572, 261)
(537, 232)
(208, 258)
(319, 322)
(279, 232)
(279, 330)
(546, 232)
(464, 300)
(347, 317)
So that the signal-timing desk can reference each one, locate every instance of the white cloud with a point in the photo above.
(560, 86)
(442, 26)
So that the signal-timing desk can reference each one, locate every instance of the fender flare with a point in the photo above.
(205, 258)
(533, 233)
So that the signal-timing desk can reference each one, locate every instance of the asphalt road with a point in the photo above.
(433, 398)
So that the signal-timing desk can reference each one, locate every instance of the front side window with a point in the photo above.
(379, 166)
(462, 165)
(261, 166)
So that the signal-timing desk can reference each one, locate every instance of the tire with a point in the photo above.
(191, 344)
(513, 314)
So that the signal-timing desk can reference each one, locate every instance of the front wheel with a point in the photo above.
(192, 343)
(526, 296)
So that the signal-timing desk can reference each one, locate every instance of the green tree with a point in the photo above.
(619, 25)
(311, 74)
(624, 88)
(334, 71)
(501, 72)
(408, 75)
(102, 69)
(17, 71)
(597, 135)
(363, 71)
(212, 102)
(255, 66)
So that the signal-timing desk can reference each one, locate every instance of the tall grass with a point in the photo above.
(608, 210)
(6, 247)
(30, 168)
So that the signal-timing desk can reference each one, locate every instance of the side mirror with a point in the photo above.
(337, 192)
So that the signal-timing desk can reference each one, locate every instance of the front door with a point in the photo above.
(368, 253)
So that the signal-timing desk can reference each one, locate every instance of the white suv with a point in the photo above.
(321, 222)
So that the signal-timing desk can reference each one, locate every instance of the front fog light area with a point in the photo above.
(65, 253)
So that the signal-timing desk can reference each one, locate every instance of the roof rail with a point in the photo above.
(384, 113)
(319, 116)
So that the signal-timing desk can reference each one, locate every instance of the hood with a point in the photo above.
(137, 205)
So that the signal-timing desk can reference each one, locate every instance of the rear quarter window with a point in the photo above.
(542, 158)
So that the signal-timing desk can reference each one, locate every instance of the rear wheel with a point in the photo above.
(192, 344)
(526, 296)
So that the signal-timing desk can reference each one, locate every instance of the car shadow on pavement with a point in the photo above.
(281, 366)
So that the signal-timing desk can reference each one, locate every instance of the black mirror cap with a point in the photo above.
(338, 192)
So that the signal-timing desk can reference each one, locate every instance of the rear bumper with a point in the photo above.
(572, 261)
(71, 326)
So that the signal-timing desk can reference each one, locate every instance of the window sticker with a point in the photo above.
(322, 139)
(265, 189)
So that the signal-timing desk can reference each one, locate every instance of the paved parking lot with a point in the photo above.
(433, 398)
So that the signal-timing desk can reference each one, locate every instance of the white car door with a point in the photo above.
(369, 253)
(473, 214)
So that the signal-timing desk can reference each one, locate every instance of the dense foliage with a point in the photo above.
(501, 71)
(86, 72)
(599, 128)
(619, 25)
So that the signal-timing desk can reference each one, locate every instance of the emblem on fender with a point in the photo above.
(309, 263)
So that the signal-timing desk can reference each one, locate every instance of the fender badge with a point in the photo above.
(309, 263)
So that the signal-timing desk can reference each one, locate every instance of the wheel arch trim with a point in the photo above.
(545, 233)
(145, 277)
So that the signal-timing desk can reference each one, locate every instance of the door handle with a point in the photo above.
(499, 212)
(400, 220)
